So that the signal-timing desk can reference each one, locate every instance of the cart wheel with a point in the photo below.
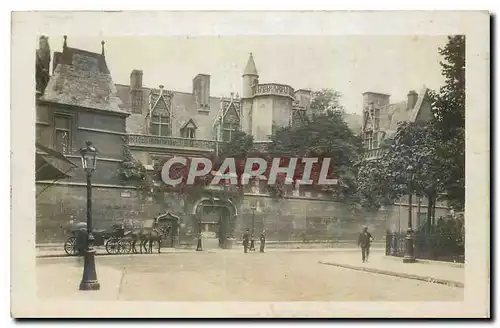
(112, 246)
(70, 246)
(124, 246)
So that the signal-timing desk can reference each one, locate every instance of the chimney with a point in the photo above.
(57, 59)
(136, 79)
(201, 91)
(136, 97)
(42, 64)
(412, 99)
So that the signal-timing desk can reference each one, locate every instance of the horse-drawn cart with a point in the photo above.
(122, 238)
(113, 239)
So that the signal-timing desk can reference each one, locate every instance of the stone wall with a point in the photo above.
(60, 204)
(294, 218)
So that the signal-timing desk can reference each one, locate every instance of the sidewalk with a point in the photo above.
(61, 281)
(438, 272)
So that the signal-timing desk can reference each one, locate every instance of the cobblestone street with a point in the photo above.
(232, 276)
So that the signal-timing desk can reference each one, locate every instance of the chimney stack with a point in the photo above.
(412, 99)
(136, 97)
(136, 79)
(201, 90)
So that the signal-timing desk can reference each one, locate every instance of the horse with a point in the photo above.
(157, 234)
(150, 231)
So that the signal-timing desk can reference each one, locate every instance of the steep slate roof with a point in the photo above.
(81, 78)
(184, 108)
(392, 114)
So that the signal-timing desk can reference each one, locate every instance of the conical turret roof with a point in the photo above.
(250, 69)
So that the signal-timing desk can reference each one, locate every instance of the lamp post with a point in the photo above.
(89, 278)
(409, 255)
(199, 247)
(252, 240)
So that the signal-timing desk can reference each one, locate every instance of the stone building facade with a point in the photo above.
(81, 102)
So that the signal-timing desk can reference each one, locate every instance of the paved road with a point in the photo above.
(234, 276)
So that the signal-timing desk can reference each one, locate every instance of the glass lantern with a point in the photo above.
(89, 157)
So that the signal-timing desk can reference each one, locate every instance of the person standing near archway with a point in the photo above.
(246, 240)
(262, 241)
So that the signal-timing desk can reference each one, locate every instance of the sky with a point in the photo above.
(349, 64)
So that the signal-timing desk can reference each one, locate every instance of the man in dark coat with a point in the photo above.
(364, 241)
(262, 241)
(246, 240)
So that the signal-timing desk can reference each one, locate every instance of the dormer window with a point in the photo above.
(189, 133)
(189, 130)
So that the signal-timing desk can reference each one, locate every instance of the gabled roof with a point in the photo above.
(392, 114)
(223, 110)
(183, 108)
(81, 78)
(250, 69)
(189, 122)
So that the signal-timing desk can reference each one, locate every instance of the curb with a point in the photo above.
(451, 264)
(450, 283)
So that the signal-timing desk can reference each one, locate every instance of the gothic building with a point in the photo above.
(381, 117)
(196, 121)
(79, 101)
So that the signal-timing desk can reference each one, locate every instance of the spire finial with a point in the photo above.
(250, 68)
(65, 44)
(102, 46)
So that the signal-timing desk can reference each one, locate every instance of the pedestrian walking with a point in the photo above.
(262, 241)
(246, 240)
(364, 241)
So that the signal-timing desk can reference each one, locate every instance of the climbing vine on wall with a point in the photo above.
(133, 172)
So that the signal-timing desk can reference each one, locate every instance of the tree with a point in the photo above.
(326, 100)
(324, 135)
(239, 146)
(435, 149)
(410, 161)
(449, 117)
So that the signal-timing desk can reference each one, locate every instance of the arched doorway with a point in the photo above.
(170, 222)
(215, 218)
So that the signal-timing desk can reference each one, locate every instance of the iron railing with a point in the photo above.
(438, 246)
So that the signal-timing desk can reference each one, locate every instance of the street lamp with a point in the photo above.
(199, 247)
(409, 256)
(252, 240)
(89, 278)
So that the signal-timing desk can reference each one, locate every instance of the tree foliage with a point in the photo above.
(427, 157)
(326, 100)
(324, 135)
(449, 115)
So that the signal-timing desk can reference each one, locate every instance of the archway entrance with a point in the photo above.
(215, 218)
(171, 223)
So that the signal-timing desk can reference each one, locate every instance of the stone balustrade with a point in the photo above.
(274, 89)
(168, 142)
